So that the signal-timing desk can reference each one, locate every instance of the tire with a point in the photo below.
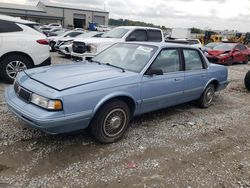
(230, 61)
(247, 80)
(207, 96)
(119, 113)
(11, 65)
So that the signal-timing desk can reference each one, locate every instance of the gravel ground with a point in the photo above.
(182, 146)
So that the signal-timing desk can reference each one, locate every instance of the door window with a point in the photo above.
(192, 59)
(138, 35)
(168, 61)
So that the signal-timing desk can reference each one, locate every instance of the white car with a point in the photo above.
(192, 42)
(69, 34)
(87, 48)
(64, 46)
(102, 28)
(21, 47)
(55, 25)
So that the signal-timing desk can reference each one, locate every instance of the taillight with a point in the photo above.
(43, 42)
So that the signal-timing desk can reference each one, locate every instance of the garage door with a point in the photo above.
(79, 20)
(100, 20)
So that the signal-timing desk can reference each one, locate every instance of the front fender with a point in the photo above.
(109, 97)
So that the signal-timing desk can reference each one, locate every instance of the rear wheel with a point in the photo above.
(11, 65)
(110, 122)
(207, 97)
(247, 80)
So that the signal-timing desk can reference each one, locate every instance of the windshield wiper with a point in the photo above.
(93, 61)
(123, 70)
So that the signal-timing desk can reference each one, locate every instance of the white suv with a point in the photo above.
(21, 47)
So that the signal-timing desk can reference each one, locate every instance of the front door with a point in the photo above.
(159, 91)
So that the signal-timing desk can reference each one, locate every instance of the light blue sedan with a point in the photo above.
(103, 94)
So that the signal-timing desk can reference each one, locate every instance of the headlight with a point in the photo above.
(222, 55)
(46, 103)
(93, 48)
(68, 42)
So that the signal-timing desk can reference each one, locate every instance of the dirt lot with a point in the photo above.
(182, 146)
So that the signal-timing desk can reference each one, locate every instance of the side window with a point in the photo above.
(154, 36)
(168, 61)
(138, 35)
(193, 60)
(7, 26)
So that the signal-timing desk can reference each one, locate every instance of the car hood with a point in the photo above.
(65, 39)
(217, 52)
(66, 76)
(98, 40)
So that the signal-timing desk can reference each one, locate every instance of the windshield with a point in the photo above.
(72, 34)
(87, 35)
(212, 44)
(115, 33)
(224, 47)
(132, 57)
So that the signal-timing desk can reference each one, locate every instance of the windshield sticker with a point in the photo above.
(145, 49)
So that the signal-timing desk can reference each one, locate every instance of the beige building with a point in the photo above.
(45, 12)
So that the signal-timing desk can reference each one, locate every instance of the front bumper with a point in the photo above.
(84, 56)
(218, 60)
(47, 121)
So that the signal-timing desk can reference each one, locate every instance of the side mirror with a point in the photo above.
(152, 72)
(131, 38)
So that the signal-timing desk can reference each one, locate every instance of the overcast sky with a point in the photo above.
(212, 14)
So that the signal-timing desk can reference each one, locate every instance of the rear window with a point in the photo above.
(7, 27)
(154, 36)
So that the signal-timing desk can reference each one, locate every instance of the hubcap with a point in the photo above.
(209, 96)
(14, 67)
(115, 122)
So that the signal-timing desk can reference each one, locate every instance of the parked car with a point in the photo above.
(69, 34)
(21, 47)
(125, 80)
(102, 28)
(55, 25)
(247, 80)
(228, 53)
(64, 46)
(87, 48)
(193, 42)
(211, 45)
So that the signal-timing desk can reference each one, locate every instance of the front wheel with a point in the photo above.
(247, 80)
(207, 97)
(230, 61)
(110, 122)
(11, 65)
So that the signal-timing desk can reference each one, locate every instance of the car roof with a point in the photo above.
(138, 27)
(15, 19)
(163, 44)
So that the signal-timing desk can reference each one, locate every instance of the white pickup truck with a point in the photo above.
(87, 48)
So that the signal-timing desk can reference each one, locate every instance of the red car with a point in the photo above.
(228, 53)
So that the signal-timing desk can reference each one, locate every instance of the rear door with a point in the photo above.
(159, 91)
(195, 74)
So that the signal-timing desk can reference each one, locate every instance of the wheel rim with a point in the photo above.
(14, 67)
(209, 96)
(115, 122)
